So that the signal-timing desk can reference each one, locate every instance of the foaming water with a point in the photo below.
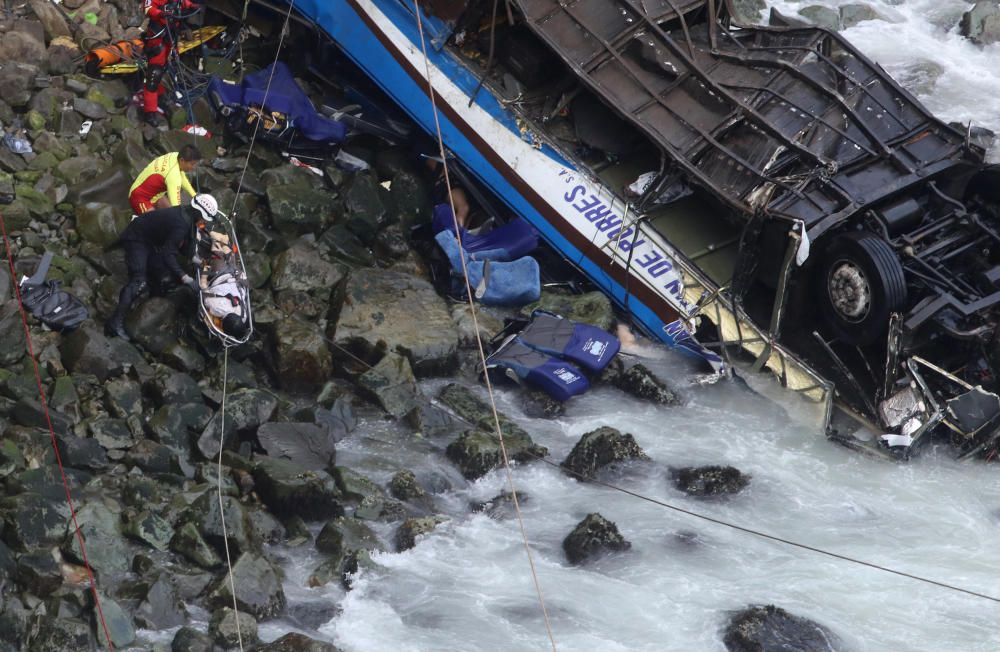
(919, 44)
(468, 585)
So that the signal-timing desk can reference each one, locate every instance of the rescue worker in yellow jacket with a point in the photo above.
(160, 183)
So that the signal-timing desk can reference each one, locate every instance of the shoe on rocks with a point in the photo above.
(116, 328)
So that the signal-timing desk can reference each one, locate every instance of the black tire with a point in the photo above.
(861, 283)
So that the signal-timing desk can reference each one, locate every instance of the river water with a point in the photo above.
(468, 585)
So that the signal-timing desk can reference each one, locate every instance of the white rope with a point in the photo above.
(475, 323)
(267, 89)
(222, 509)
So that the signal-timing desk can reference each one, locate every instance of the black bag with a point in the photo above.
(57, 309)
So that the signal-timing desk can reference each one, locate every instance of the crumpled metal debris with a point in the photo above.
(17, 144)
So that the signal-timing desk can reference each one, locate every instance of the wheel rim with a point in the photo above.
(850, 293)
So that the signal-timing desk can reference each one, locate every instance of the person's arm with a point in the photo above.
(187, 185)
(179, 232)
(154, 9)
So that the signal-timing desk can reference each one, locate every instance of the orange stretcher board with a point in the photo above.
(122, 57)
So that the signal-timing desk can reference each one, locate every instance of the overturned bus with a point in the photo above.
(767, 188)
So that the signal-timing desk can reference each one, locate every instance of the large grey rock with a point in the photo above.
(107, 551)
(228, 628)
(642, 383)
(16, 81)
(87, 351)
(31, 520)
(474, 410)
(162, 607)
(303, 358)
(23, 46)
(821, 16)
(748, 12)
(295, 642)
(378, 315)
(366, 213)
(761, 627)
(477, 452)
(246, 409)
(852, 14)
(187, 541)
(100, 223)
(258, 587)
(709, 481)
(47, 634)
(981, 24)
(301, 268)
(119, 623)
(600, 448)
(150, 529)
(297, 210)
(306, 444)
(39, 573)
(152, 324)
(189, 639)
(392, 383)
(590, 308)
(406, 535)
(204, 514)
(289, 489)
(594, 536)
(51, 18)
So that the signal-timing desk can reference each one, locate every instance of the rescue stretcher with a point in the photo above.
(126, 57)
(222, 277)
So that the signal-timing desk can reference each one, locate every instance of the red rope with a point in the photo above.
(52, 433)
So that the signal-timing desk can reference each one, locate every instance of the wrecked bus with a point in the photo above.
(767, 188)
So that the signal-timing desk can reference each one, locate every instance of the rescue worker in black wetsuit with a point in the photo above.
(152, 242)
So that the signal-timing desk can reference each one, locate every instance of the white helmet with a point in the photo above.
(206, 205)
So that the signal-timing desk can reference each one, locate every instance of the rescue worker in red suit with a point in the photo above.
(163, 28)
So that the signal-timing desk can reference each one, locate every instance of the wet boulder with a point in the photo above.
(769, 627)
(642, 383)
(204, 515)
(431, 421)
(100, 223)
(477, 452)
(189, 639)
(600, 448)
(23, 44)
(472, 409)
(821, 16)
(258, 587)
(39, 573)
(16, 81)
(246, 409)
(708, 481)
(299, 209)
(852, 14)
(87, 351)
(365, 211)
(228, 628)
(306, 444)
(107, 551)
(392, 384)
(31, 520)
(301, 268)
(149, 528)
(188, 542)
(592, 308)
(119, 623)
(593, 537)
(981, 24)
(48, 634)
(302, 356)
(152, 324)
(748, 12)
(377, 316)
(295, 642)
(501, 506)
(412, 528)
(162, 607)
(404, 486)
(287, 488)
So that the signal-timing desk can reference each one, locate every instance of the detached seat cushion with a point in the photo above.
(587, 346)
(557, 378)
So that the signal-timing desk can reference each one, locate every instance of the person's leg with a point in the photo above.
(138, 205)
(136, 258)
(163, 202)
(157, 50)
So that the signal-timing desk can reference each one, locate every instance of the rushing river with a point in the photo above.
(468, 585)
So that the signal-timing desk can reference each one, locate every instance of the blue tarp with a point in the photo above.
(516, 238)
(283, 95)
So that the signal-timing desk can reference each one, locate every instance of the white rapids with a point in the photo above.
(468, 585)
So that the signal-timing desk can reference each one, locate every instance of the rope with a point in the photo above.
(748, 530)
(267, 89)
(222, 510)
(475, 323)
(52, 434)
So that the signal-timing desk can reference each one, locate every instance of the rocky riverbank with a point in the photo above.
(348, 321)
